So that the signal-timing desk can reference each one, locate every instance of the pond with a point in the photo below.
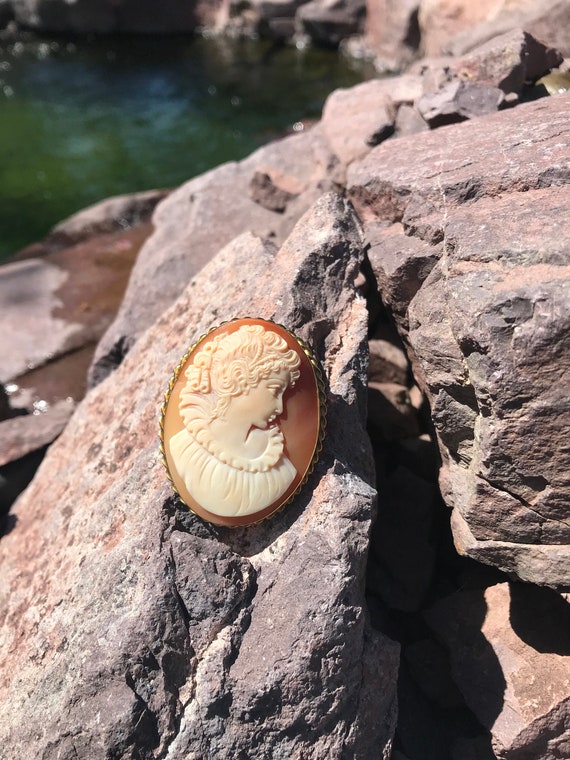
(83, 120)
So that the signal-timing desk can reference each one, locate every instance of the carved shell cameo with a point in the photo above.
(243, 421)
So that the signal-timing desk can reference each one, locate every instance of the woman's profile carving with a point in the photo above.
(230, 452)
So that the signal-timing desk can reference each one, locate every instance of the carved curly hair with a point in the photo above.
(229, 365)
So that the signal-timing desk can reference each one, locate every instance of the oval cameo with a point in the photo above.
(243, 421)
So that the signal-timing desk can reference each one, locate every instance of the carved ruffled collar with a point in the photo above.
(195, 416)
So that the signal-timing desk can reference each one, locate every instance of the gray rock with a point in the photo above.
(458, 101)
(486, 321)
(132, 627)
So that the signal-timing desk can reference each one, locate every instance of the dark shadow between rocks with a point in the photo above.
(7, 524)
(109, 362)
(14, 478)
(541, 618)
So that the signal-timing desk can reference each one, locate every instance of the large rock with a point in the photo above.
(509, 652)
(480, 294)
(490, 76)
(356, 119)
(327, 22)
(131, 628)
(456, 26)
(544, 20)
(441, 21)
(392, 31)
(53, 310)
(188, 230)
(509, 61)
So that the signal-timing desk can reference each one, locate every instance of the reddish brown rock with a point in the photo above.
(447, 171)
(63, 301)
(442, 21)
(392, 32)
(273, 189)
(130, 626)
(120, 213)
(402, 561)
(25, 438)
(509, 651)
(401, 263)
(356, 119)
(53, 309)
(23, 434)
(409, 121)
(387, 362)
(188, 231)
(390, 411)
(508, 62)
(546, 21)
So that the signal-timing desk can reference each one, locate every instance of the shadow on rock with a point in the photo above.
(541, 618)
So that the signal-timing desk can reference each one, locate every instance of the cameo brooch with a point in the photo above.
(243, 421)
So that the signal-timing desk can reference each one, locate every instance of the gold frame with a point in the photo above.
(321, 392)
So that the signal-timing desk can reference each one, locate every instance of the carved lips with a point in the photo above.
(243, 421)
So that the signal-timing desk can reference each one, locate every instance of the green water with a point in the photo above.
(84, 120)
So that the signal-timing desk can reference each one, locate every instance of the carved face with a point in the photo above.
(261, 405)
(237, 444)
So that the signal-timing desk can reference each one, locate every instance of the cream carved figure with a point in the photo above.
(230, 452)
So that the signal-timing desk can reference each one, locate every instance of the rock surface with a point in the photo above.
(133, 629)
(495, 369)
(329, 21)
(456, 26)
(55, 303)
(192, 641)
(188, 233)
(512, 667)
(392, 31)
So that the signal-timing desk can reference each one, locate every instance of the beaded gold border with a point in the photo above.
(321, 391)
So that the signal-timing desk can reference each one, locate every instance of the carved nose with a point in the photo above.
(279, 406)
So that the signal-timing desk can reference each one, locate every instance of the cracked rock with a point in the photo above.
(513, 670)
(133, 629)
(480, 296)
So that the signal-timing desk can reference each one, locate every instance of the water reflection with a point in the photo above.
(83, 120)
